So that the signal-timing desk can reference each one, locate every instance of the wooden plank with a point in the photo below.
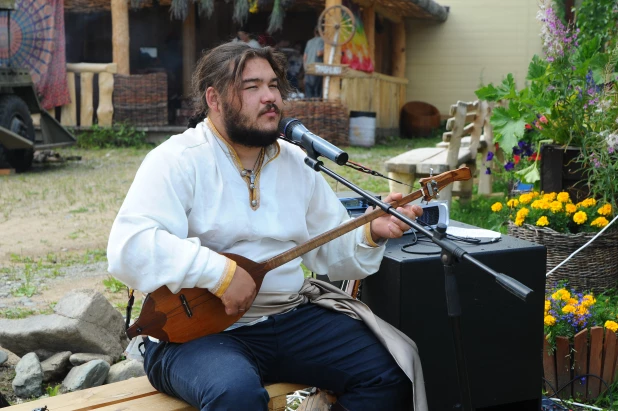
(86, 107)
(92, 67)
(105, 111)
(323, 69)
(609, 358)
(188, 50)
(120, 35)
(470, 106)
(468, 129)
(68, 116)
(157, 402)
(7, 171)
(596, 361)
(469, 117)
(399, 49)
(563, 366)
(580, 364)
(549, 368)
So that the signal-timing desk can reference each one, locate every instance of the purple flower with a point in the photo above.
(490, 156)
(509, 166)
(487, 170)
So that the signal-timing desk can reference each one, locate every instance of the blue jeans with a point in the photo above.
(310, 345)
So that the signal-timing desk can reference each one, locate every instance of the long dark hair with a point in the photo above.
(223, 65)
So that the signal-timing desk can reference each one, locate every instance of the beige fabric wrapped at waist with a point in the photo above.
(402, 348)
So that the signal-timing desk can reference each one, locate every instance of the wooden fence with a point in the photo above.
(590, 355)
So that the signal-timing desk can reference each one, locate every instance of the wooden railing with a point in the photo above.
(375, 92)
(85, 100)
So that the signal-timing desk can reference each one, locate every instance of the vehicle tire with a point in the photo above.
(15, 116)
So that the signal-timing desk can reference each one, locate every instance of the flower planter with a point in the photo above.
(590, 353)
(595, 268)
(560, 171)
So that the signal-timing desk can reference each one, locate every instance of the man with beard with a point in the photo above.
(229, 185)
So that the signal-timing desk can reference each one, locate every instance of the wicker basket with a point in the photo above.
(328, 119)
(595, 268)
(141, 99)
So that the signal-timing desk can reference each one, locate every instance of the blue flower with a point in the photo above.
(509, 166)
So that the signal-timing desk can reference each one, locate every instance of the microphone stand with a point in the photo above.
(451, 254)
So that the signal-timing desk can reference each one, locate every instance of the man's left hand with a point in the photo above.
(389, 226)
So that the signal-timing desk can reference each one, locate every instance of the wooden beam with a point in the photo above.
(68, 116)
(332, 55)
(93, 67)
(105, 111)
(188, 50)
(399, 49)
(86, 108)
(120, 35)
(369, 24)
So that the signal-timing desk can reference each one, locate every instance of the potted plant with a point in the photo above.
(563, 226)
(570, 101)
(580, 341)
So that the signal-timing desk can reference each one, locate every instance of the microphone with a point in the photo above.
(293, 130)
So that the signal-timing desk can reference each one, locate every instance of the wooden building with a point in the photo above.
(145, 40)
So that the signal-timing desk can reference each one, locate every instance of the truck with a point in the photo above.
(18, 102)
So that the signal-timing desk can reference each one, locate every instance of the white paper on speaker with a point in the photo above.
(472, 232)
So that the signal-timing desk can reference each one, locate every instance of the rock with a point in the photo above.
(3, 357)
(28, 377)
(83, 358)
(56, 366)
(91, 374)
(84, 321)
(44, 354)
(124, 370)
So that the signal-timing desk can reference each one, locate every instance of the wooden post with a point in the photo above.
(120, 35)
(332, 87)
(86, 109)
(105, 111)
(399, 49)
(68, 116)
(369, 24)
(188, 50)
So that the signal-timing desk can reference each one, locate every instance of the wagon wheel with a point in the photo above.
(337, 25)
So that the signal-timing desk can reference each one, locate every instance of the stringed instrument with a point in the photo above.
(195, 312)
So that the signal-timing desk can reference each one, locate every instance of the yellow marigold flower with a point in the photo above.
(570, 208)
(512, 203)
(547, 305)
(572, 301)
(519, 222)
(563, 197)
(542, 221)
(549, 320)
(523, 212)
(611, 325)
(588, 300)
(580, 217)
(549, 196)
(496, 207)
(589, 202)
(605, 210)
(581, 310)
(561, 294)
(555, 206)
(568, 309)
(525, 198)
(599, 222)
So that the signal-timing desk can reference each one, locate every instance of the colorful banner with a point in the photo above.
(37, 44)
(356, 52)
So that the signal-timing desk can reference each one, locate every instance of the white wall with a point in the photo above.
(481, 42)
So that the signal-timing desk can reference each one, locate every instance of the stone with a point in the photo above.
(91, 374)
(82, 358)
(56, 366)
(3, 357)
(28, 377)
(84, 321)
(124, 370)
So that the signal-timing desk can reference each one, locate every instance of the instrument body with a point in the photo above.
(195, 312)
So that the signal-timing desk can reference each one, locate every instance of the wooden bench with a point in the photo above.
(136, 394)
(469, 133)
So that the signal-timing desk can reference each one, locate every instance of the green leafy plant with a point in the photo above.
(121, 135)
(52, 391)
(598, 18)
(113, 285)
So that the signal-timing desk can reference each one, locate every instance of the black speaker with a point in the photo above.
(502, 335)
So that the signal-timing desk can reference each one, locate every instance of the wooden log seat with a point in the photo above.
(136, 394)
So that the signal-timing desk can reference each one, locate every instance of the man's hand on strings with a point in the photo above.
(240, 293)
(388, 226)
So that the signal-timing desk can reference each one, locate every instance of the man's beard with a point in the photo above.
(238, 130)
